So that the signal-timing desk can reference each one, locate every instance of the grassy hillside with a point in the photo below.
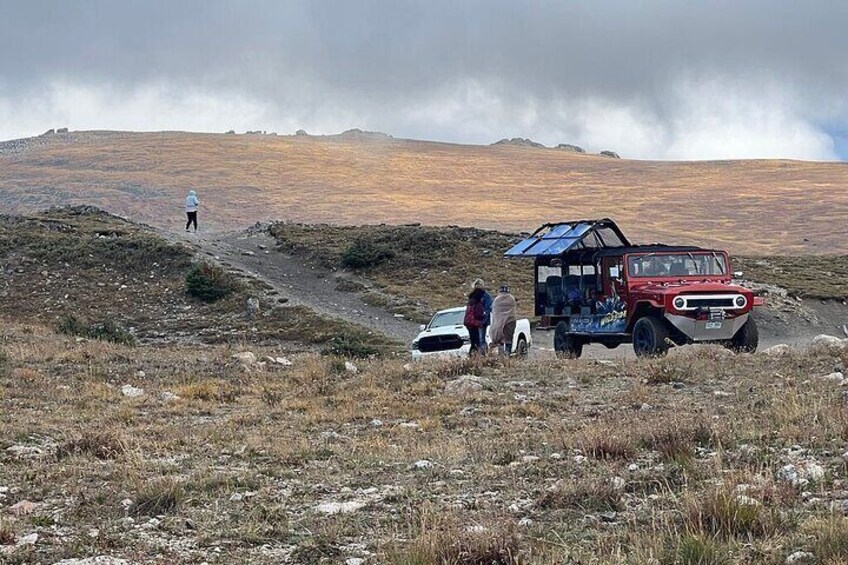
(750, 207)
(416, 270)
(80, 268)
(704, 457)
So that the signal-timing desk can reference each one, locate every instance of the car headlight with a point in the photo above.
(741, 301)
(679, 303)
(415, 344)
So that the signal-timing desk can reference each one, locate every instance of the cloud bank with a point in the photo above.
(654, 79)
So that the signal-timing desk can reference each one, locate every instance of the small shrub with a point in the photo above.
(7, 536)
(104, 445)
(587, 495)
(365, 254)
(831, 538)
(725, 513)
(107, 330)
(348, 345)
(691, 549)
(110, 331)
(162, 497)
(600, 445)
(209, 282)
(72, 325)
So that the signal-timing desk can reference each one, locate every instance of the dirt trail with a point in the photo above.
(255, 253)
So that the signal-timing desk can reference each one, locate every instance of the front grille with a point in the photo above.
(439, 343)
(709, 302)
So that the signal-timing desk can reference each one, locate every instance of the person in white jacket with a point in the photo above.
(192, 203)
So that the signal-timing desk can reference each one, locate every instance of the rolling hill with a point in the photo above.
(756, 206)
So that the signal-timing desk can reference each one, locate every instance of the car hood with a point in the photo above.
(684, 287)
(445, 330)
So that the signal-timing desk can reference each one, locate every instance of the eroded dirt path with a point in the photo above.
(255, 254)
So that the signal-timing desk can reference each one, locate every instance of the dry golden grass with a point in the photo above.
(761, 206)
(243, 460)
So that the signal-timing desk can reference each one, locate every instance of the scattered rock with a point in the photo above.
(828, 341)
(248, 253)
(800, 557)
(836, 377)
(519, 142)
(99, 560)
(245, 357)
(351, 368)
(25, 451)
(570, 148)
(282, 361)
(612, 154)
(132, 392)
(466, 384)
(423, 464)
(167, 396)
(778, 349)
(29, 539)
(341, 507)
(354, 561)
(23, 508)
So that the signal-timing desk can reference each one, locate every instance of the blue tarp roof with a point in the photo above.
(556, 240)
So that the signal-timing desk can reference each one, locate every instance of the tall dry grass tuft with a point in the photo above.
(445, 539)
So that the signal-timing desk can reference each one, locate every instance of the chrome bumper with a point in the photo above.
(696, 330)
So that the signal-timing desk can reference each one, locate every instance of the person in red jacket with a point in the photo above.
(475, 317)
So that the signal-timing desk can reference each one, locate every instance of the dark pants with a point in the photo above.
(192, 219)
(474, 339)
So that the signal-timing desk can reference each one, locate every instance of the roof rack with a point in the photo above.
(558, 238)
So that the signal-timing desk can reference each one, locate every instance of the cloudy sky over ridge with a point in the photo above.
(656, 79)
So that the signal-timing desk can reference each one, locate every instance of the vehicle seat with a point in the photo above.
(678, 270)
(554, 293)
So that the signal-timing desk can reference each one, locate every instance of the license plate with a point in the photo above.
(713, 325)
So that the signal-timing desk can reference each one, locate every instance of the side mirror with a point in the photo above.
(737, 274)
(422, 327)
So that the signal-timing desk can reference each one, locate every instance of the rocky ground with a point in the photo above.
(216, 435)
(222, 453)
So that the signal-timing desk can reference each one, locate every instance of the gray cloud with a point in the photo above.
(651, 79)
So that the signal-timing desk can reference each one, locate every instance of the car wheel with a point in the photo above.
(649, 337)
(567, 344)
(521, 349)
(746, 339)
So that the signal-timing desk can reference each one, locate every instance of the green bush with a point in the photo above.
(364, 254)
(349, 346)
(209, 282)
(104, 331)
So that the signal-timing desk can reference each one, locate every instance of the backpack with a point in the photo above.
(474, 314)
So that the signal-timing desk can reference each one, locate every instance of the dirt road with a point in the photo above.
(255, 253)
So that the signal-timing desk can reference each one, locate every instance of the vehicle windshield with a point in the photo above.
(689, 264)
(447, 319)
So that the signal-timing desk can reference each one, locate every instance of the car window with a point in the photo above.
(447, 319)
(676, 265)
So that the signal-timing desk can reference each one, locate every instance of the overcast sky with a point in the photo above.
(654, 79)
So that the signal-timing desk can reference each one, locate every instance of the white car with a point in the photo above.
(446, 336)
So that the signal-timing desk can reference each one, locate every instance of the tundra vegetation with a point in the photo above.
(298, 438)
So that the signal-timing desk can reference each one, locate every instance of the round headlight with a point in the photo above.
(740, 301)
(679, 303)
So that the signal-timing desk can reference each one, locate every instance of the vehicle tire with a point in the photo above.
(746, 339)
(649, 337)
(521, 349)
(567, 344)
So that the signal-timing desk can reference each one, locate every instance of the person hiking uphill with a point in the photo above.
(474, 317)
(486, 298)
(192, 203)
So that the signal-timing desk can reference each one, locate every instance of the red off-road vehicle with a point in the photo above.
(593, 286)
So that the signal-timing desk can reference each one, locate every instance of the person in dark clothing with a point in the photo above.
(487, 300)
(474, 317)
